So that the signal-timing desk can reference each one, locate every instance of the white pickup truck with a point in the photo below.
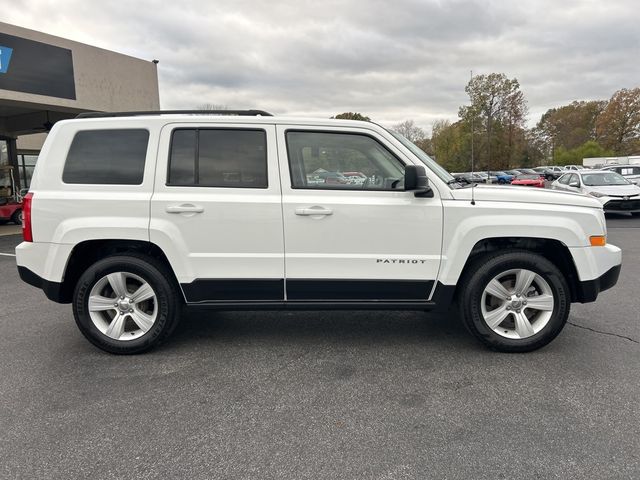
(133, 216)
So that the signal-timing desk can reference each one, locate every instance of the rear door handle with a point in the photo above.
(185, 208)
(313, 211)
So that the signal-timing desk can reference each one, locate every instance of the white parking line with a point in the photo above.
(8, 254)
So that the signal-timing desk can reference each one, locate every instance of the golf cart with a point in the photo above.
(10, 199)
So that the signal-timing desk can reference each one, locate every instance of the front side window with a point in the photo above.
(345, 161)
(107, 157)
(564, 179)
(208, 157)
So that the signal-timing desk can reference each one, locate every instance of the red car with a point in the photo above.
(529, 181)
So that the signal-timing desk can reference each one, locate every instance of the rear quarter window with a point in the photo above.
(107, 157)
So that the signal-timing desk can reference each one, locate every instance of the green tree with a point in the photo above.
(451, 146)
(352, 116)
(589, 149)
(569, 126)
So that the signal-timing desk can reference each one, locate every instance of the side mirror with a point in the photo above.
(415, 180)
(574, 184)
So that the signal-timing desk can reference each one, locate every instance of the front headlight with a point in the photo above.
(597, 194)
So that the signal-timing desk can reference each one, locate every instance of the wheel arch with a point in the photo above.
(552, 249)
(86, 253)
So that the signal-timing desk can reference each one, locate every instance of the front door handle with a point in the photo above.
(313, 211)
(185, 208)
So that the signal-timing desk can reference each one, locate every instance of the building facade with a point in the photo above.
(44, 79)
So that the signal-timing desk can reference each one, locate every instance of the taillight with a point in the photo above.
(27, 233)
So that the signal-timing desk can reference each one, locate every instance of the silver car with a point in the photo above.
(616, 193)
(630, 172)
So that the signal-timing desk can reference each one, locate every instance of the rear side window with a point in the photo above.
(206, 157)
(111, 157)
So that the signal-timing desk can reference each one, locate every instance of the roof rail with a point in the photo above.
(244, 113)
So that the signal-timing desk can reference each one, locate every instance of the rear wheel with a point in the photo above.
(17, 217)
(126, 304)
(514, 302)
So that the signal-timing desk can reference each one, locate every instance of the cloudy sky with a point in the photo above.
(392, 60)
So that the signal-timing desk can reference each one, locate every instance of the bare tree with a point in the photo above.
(619, 124)
(495, 99)
(409, 130)
(212, 106)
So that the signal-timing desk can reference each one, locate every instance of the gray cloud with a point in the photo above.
(390, 60)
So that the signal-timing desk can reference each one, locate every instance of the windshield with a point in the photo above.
(424, 158)
(528, 177)
(604, 179)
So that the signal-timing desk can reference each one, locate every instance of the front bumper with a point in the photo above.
(588, 290)
(598, 269)
(620, 205)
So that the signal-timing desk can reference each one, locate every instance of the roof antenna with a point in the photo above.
(473, 184)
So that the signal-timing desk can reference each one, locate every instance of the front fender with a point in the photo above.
(466, 225)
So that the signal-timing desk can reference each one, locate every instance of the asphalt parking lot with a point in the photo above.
(335, 395)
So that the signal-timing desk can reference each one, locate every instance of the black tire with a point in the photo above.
(483, 270)
(17, 217)
(168, 297)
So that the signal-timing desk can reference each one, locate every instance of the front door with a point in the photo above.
(351, 233)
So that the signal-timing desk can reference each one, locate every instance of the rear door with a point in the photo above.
(216, 211)
(354, 242)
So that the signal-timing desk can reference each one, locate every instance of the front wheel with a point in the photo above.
(514, 302)
(126, 304)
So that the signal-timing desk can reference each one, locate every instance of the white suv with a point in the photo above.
(132, 217)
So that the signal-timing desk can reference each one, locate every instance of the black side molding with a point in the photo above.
(233, 290)
(588, 291)
(359, 290)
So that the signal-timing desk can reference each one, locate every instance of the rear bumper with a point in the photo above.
(53, 290)
(588, 291)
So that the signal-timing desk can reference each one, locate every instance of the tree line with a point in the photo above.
(493, 125)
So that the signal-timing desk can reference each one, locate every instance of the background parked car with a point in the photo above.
(355, 178)
(552, 173)
(574, 167)
(529, 180)
(333, 178)
(614, 191)
(503, 177)
(486, 178)
(526, 171)
(468, 177)
(630, 172)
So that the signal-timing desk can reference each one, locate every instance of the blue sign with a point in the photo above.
(5, 58)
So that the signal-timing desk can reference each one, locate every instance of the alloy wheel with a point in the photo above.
(123, 306)
(517, 303)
